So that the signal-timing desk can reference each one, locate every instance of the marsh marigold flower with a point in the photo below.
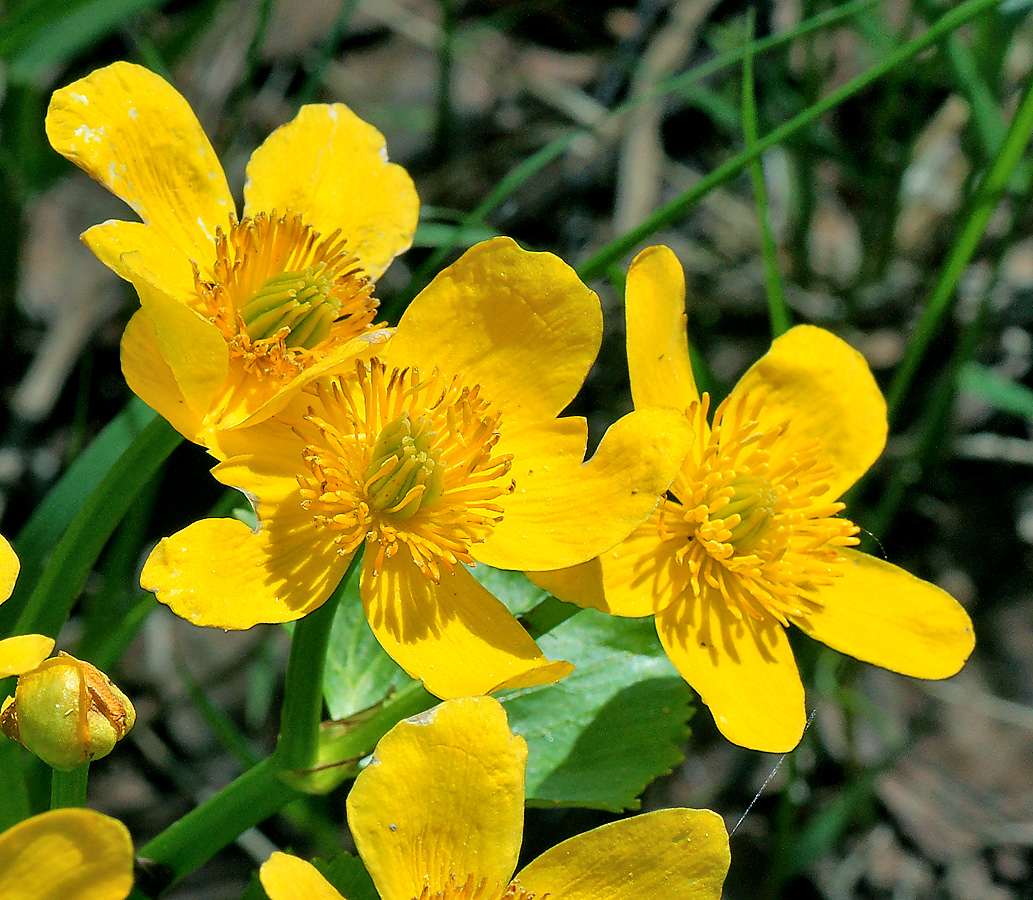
(439, 811)
(234, 312)
(441, 451)
(750, 538)
(64, 854)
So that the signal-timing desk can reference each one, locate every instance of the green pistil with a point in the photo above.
(753, 499)
(299, 301)
(405, 472)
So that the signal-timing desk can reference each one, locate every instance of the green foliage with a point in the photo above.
(349, 876)
(604, 732)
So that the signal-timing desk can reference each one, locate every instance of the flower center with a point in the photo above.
(402, 461)
(405, 470)
(282, 295)
(750, 518)
(472, 889)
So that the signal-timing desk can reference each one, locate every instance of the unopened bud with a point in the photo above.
(67, 712)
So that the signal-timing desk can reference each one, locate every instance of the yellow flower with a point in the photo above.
(750, 539)
(443, 450)
(234, 312)
(64, 854)
(438, 815)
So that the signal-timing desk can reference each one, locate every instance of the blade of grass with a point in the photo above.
(76, 553)
(63, 38)
(1000, 392)
(64, 500)
(531, 166)
(596, 264)
(777, 311)
(984, 202)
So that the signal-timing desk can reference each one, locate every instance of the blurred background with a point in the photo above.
(566, 125)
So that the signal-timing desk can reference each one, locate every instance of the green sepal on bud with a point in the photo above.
(67, 712)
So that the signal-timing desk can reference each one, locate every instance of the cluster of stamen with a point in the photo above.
(474, 889)
(750, 518)
(279, 292)
(401, 460)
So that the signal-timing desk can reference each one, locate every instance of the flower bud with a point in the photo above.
(67, 712)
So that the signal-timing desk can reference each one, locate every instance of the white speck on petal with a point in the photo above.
(424, 718)
(332, 113)
(88, 134)
(79, 98)
(132, 112)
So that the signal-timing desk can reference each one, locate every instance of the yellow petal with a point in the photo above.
(658, 350)
(671, 854)
(9, 568)
(132, 131)
(332, 167)
(66, 853)
(263, 460)
(565, 511)
(218, 572)
(22, 653)
(743, 670)
(824, 389)
(883, 615)
(638, 577)
(191, 345)
(169, 272)
(286, 877)
(519, 324)
(454, 635)
(151, 379)
(442, 796)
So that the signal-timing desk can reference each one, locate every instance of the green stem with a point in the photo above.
(68, 789)
(596, 265)
(303, 689)
(191, 841)
(76, 553)
(777, 311)
(985, 201)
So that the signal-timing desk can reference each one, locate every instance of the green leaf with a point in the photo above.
(1000, 392)
(358, 673)
(603, 733)
(349, 876)
(512, 588)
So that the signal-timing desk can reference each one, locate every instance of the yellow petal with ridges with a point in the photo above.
(192, 346)
(331, 167)
(133, 132)
(64, 854)
(878, 613)
(638, 577)
(218, 572)
(565, 511)
(455, 636)
(443, 796)
(112, 241)
(519, 324)
(742, 669)
(670, 854)
(151, 379)
(658, 350)
(825, 390)
(263, 460)
(22, 653)
(286, 877)
(9, 568)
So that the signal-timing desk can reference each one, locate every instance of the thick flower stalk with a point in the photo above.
(64, 854)
(235, 312)
(750, 538)
(441, 451)
(438, 815)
